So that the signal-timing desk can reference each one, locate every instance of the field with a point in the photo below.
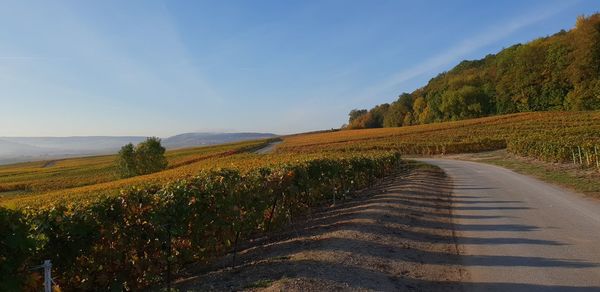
(75, 212)
(563, 137)
(79, 176)
(572, 137)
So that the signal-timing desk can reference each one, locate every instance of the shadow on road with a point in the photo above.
(400, 236)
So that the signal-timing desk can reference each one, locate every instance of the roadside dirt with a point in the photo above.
(50, 163)
(397, 236)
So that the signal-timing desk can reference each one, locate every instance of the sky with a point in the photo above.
(160, 68)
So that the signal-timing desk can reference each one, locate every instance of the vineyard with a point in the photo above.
(82, 176)
(567, 137)
(129, 241)
(102, 233)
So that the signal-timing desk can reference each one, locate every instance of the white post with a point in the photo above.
(597, 157)
(47, 276)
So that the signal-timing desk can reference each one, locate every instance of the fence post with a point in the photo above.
(47, 276)
(580, 158)
(587, 157)
(597, 158)
(235, 245)
(271, 215)
(168, 276)
(334, 197)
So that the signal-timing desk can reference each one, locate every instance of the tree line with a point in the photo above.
(558, 72)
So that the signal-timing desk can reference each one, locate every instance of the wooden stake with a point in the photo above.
(587, 157)
(235, 245)
(597, 158)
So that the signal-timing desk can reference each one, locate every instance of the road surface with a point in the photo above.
(268, 148)
(382, 240)
(516, 233)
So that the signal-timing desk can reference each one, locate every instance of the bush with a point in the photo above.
(17, 246)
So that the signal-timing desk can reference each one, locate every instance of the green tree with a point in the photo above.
(150, 156)
(399, 112)
(467, 102)
(378, 114)
(126, 161)
(146, 157)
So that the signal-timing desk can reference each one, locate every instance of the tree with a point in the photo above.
(399, 110)
(146, 157)
(355, 114)
(378, 114)
(467, 102)
(150, 156)
(585, 67)
(126, 161)
(558, 72)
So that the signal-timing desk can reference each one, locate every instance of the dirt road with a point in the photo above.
(470, 227)
(396, 237)
(268, 148)
(519, 234)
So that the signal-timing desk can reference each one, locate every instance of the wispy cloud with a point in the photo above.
(463, 48)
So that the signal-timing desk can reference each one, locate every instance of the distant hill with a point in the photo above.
(77, 144)
(10, 148)
(19, 149)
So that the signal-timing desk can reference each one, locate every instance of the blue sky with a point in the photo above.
(166, 67)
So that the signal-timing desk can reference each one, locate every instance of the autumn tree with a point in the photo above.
(355, 114)
(558, 72)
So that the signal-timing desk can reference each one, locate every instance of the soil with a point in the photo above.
(398, 236)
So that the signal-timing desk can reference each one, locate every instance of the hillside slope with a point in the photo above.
(572, 137)
(559, 72)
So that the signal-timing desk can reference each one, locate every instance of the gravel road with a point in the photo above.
(465, 227)
(517, 233)
(380, 241)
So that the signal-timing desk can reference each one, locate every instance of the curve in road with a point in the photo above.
(517, 233)
(269, 148)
